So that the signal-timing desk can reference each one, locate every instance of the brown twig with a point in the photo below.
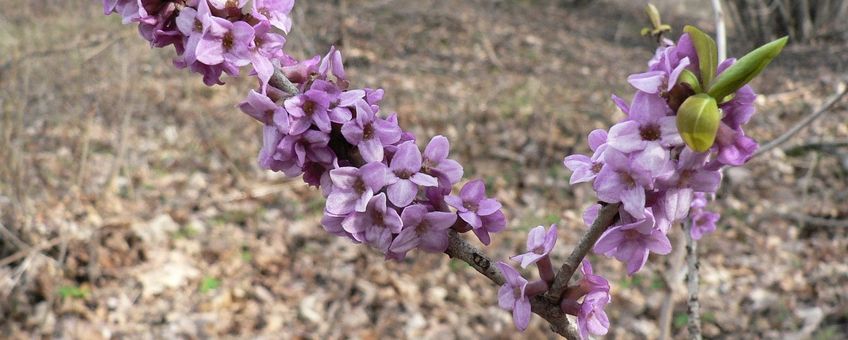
(27, 251)
(606, 216)
(548, 309)
(841, 90)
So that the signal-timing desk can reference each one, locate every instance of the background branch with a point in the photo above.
(692, 266)
(721, 35)
(841, 89)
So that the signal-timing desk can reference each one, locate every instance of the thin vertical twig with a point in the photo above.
(721, 35)
(692, 283)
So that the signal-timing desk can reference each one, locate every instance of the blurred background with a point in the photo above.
(131, 205)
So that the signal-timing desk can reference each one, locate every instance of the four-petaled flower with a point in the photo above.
(591, 318)
(585, 168)
(370, 133)
(404, 175)
(539, 245)
(224, 41)
(375, 225)
(632, 242)
(511, 296)
(424, 229)
(472, 203)
(353, 187)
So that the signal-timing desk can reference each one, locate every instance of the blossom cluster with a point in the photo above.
(213, 37)
(643, 164)
(381, 189)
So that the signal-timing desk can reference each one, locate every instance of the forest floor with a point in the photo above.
(131, 205)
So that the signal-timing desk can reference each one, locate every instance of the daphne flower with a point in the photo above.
(632, 242)
(734, 148)
(539, 245)
(266, 46)
(424, 229)
(311, 145)
(190, 24)
(332, 62)
(586, 169)
(649, 131)
(405, 176)
(275, 11)
(623, 181)
(490, 224)
(656, 82)
(591, 282)
(472, 204)
(353, 187)
(307, 109)
(264, 110)
(376, 224)
(436, 162)
(511, 296)
(591, 318)
(225, 41)
(370, 133)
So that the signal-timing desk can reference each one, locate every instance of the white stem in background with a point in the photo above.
(721, 35)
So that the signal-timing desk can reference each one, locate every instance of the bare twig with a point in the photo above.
(25, 252)
(671, 278)
(819, 145)
(8, 234)
(606, 216)
(841, 90)
(693, 265)
(818, 221)
(721, 36)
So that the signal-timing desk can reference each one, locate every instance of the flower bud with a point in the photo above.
(697, 121)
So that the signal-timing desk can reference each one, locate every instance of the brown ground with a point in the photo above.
(138, 190)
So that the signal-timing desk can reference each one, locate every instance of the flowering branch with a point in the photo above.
(606, 217)
(543, 306)
(382, 191)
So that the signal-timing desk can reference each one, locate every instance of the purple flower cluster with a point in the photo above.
(215, 36)
(642, 162)
(381, 190)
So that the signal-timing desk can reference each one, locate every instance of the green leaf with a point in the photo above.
(697, 121)
(745, 69)
(705, 46)
(209, 284)
(691, 79)
(73, 292)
